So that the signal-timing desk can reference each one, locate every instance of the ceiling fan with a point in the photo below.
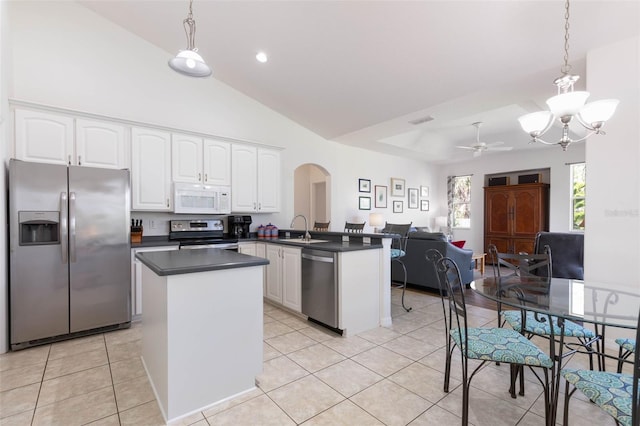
(478, 147)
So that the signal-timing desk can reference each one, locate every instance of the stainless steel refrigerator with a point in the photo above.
(69, 251)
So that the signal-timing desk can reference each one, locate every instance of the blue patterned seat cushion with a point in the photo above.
(571, 329)
(502, 345)
(613, 392)
(627, 344)
(395, 253)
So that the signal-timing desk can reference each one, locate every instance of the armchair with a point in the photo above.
(568, 253)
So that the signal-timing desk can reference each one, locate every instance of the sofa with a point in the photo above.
(419, 272)
(567, 253)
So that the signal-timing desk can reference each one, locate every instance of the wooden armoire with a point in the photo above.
(514, 214)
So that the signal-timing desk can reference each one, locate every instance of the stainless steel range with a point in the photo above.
(200, 234)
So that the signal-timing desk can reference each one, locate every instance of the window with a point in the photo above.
(578, 186)
(461, 202)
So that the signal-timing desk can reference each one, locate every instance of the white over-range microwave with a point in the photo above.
(201, 199)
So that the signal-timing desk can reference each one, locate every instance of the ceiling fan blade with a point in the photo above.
(501, 148)
(466, 147)
(495, 143)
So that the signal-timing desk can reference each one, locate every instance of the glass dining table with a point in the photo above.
(600, 304)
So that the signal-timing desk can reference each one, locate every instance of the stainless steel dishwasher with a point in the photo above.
(320, 286)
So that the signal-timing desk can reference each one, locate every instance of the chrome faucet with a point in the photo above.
(307, 236)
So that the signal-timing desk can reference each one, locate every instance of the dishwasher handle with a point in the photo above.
(317, 258)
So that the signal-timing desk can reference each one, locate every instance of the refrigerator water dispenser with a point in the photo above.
(39, 228)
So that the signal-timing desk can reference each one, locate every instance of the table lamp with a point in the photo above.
(376, 220)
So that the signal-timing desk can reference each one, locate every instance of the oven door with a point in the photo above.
(223, 246)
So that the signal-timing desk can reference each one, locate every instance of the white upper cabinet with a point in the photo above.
(54, 138)
(43, 137)
(100, 144)
(255, 177)
(187, 158)
(150, 169)
(217, 162)
(197, 160)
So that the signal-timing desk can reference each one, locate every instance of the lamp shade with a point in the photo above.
(598, 111)
(376, 219)
(568, 103)
(535, 122)
(190, 63)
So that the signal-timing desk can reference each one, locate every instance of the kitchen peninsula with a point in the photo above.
(202, 334)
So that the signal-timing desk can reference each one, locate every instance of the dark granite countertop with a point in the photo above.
(155, 241)
(174, 262)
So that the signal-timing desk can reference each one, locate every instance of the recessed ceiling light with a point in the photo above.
(261, 57)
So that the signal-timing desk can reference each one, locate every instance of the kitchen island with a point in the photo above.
(202, 326)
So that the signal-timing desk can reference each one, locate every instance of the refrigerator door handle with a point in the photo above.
(64, 231)
(72, 226)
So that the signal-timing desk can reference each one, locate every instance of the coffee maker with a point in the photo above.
(239, 226)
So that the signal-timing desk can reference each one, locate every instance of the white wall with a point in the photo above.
(551, 157)
(4, 148)
(612, 237)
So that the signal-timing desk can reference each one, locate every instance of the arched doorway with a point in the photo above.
(312, 193)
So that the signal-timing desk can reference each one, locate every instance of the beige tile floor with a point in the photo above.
(386, 376)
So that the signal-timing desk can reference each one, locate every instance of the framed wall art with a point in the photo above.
(397, 206)
(364, 203)
(424, 192)
(397, 187)
(364, 185)
(424, 205)
(380, 195)
(413, 198)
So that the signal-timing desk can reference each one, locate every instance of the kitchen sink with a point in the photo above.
(301, 241)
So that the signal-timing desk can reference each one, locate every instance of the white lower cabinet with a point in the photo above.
(136, 276)
(283, 276)
(247, 248)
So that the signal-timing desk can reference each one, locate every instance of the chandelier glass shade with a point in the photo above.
(189, 62)
(568, 104)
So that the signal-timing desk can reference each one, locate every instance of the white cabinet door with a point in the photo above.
(217, 162)
(186, 161)
(292, 278)
(244, 175)
(100, 144)
(247, 248)
(43, 137)
(272, 278)
(150, 169)
(268, 180)
(136, 276)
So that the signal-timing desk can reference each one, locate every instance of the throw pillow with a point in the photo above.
(459, 244)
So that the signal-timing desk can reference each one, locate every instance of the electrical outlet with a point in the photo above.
(152, 224)
(366, 240)
(345, 238)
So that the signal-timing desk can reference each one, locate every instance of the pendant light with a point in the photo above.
(568, 104)
(188, 62)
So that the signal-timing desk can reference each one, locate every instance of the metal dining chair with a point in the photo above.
(321, 226)
(354, 227)
(486, 344)
(537, 267)
(399, 250)
(615, 393)
(627, 347)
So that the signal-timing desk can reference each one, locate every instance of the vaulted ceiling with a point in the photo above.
(358, 72)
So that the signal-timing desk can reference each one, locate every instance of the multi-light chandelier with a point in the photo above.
(189, 62)
(568, 104)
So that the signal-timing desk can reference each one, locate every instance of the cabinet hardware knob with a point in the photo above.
(69, 159)
(167, 202)
(79, 160)
(206, 178)
(199, 176)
